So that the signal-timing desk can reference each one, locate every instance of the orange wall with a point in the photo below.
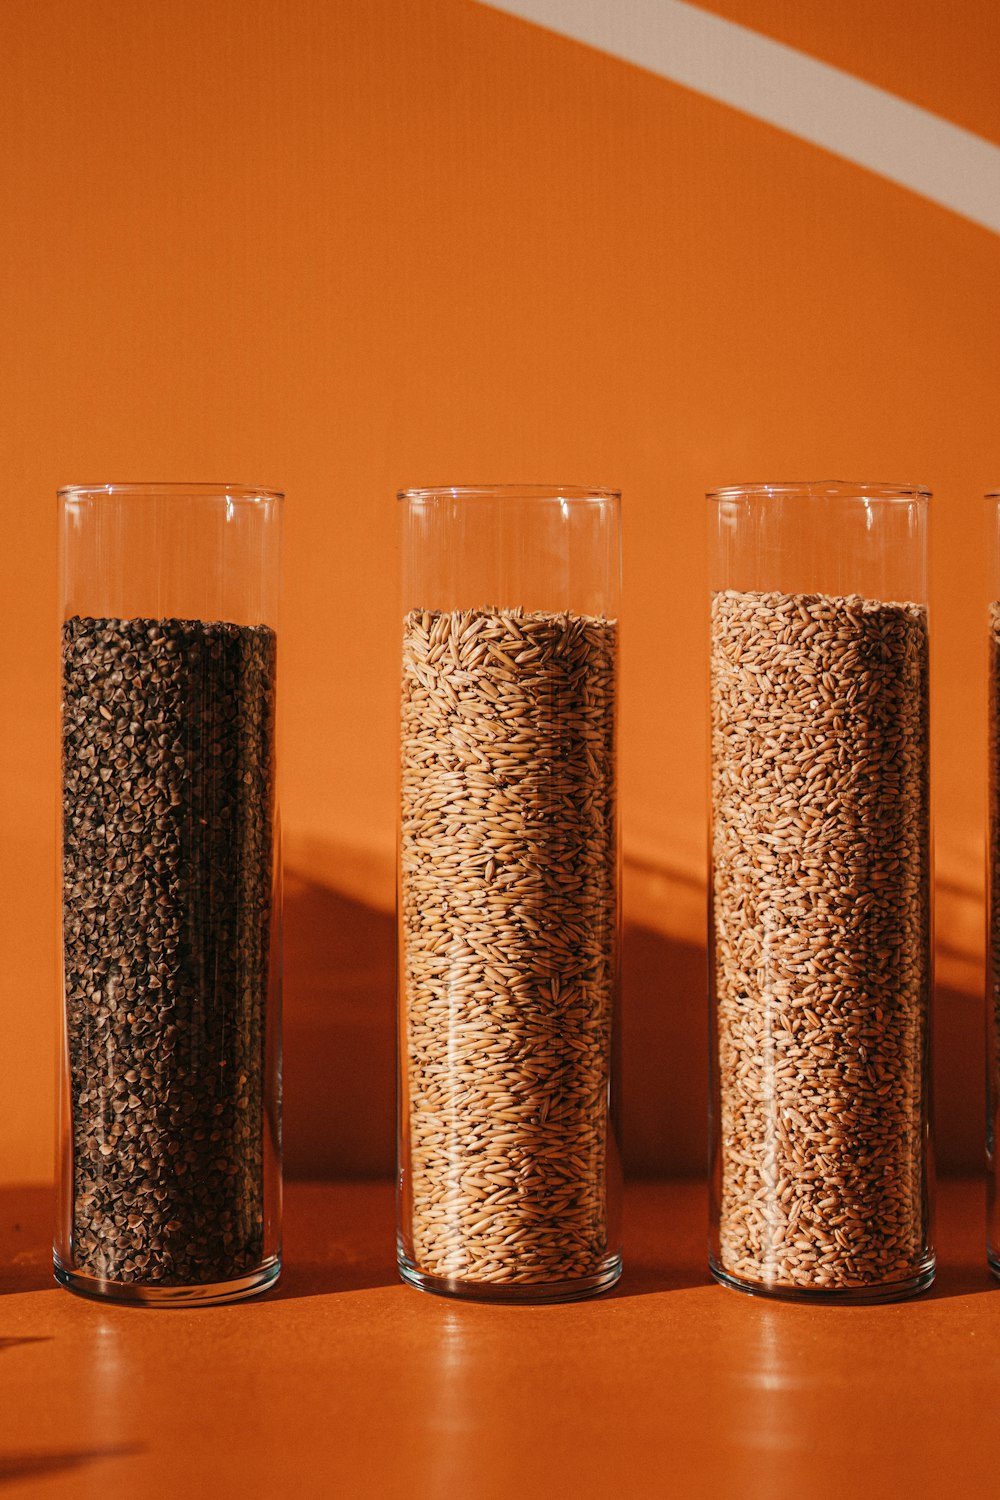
(343, 247)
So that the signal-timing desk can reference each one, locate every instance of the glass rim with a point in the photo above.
(200, 489)
(575, 492)
(822, 489)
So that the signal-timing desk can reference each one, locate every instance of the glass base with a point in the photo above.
(251, 1285)
(517, 1291)
(993, 1260)
(856, 1296)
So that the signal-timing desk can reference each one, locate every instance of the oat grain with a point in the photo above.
(509, 946)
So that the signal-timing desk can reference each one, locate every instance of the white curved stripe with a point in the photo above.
(810, 99)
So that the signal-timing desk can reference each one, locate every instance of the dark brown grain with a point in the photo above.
(167, 776)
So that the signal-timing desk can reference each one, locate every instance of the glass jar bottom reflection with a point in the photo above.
(602, 1280)
(891, 1291)
(235, 1290)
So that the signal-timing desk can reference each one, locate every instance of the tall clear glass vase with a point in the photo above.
(509, 905)
(993, 895)
(170, 882)
(820, 929)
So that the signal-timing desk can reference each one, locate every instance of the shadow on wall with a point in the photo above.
(340, 1082)
(339, 1035)
(959, 1082)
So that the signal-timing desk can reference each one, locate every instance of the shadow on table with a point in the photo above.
(960, 1281)
(652, 1280)
(950, 1281)
(15, 1466)
(298, 1281)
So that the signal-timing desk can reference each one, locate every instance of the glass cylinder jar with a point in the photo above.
(820, 942)
(509, 904)
(993, 893)
(170, 1138)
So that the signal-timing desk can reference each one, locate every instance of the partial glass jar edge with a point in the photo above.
(509, 491)
(860, 489)
(194, 488)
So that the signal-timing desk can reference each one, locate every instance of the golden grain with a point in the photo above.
(508, 942)
(820, 928)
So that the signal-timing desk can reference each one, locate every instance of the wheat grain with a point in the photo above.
(820, 928)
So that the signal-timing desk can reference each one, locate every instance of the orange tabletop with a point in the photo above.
(343, 1382)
